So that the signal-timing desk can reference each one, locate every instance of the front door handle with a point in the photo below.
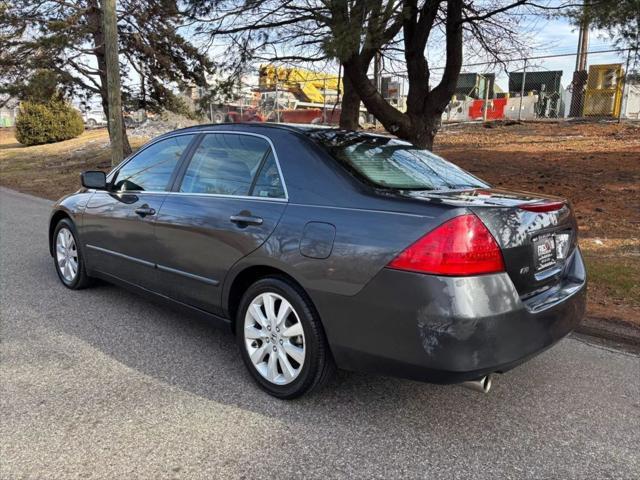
(245, 220)
(145, 210)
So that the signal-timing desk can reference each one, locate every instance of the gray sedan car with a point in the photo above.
(323, 247)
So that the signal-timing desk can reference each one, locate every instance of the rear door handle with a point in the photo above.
(145, 210)
(245, 220)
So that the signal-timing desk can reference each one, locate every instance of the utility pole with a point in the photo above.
(485, 104)
(110, 31)
(583, 44)
(580, 73)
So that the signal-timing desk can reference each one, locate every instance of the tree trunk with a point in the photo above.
(391, 118)
(94, 17)
(350, 113)
(116, 122)
(422, 131)
(421, 122)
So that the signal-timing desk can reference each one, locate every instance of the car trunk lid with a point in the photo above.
(536, 233)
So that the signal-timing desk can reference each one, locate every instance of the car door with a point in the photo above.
(227, 200)
(118, 224)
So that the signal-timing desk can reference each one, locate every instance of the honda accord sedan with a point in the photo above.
(324, 248)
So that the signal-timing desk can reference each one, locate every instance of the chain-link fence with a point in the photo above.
(603, 87)
(549, 87)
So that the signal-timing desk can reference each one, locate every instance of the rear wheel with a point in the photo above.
(281, 340)
(67, 256)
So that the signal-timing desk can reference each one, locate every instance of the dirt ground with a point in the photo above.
(595, 166)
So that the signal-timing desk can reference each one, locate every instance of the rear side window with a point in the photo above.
(390, 163)
(152, 168)
(227, 164)
(268, 183)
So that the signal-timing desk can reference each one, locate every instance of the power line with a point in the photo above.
(539, 57)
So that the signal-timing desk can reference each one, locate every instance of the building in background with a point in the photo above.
(631, 97)
(8, 112)
(476, 85)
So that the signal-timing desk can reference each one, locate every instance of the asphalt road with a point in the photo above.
(103, 384)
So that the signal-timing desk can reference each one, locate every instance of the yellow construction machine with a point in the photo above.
(307, 86)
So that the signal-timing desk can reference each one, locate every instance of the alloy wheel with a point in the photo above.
(274, 338)
(67, 254)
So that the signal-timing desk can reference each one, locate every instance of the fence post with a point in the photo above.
(485, 106)
(277, 102)
(624, 85)
(324, 101)
(524, 78)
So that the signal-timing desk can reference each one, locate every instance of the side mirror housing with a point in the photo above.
(94, 179)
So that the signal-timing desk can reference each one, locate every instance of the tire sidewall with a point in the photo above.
(305, 314)
(66, 223)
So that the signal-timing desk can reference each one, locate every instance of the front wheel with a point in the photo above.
(281, 339)
(67, 256)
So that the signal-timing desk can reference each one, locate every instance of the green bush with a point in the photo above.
(51, 122)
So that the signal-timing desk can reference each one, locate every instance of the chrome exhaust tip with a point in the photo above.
(483, 384)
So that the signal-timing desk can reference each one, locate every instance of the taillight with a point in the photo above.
(461, 246)
(538, 207)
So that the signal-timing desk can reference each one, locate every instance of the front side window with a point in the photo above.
(390, 163)
(152, 168)
(227, 164)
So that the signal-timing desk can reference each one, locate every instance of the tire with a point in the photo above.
(91, 123)
(310, 370)
(65, 229)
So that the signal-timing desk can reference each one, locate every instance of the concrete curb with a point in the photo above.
(612, 329)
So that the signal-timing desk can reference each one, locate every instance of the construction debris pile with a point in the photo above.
(162, 123)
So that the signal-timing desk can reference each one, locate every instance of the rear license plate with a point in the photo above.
(544, 252)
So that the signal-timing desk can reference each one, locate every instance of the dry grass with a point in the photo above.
(53, 170)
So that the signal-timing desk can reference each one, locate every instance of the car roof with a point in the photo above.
(292, 127)
(307, 130)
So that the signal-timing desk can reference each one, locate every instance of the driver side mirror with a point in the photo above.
(94, 179)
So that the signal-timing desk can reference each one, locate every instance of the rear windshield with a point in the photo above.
(391, 163)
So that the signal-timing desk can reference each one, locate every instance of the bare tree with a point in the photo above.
(405, 33)
(453, 23)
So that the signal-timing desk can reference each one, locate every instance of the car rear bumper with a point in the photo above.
(449, 329)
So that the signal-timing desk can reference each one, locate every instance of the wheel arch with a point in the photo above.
(55, 219)
(244, 278)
